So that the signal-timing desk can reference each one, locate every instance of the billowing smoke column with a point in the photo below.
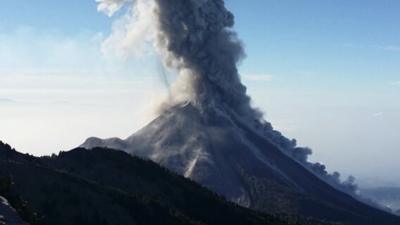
(198, 40)
(195, 38)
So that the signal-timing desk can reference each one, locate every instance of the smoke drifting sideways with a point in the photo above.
(194, 38)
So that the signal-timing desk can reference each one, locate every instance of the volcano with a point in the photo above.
(207, 129)
(226, 154)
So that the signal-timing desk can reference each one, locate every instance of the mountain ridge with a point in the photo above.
(105, 186)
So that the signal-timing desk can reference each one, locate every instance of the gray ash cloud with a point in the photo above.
(195, 39)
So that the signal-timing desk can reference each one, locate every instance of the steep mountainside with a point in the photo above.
(222, 152)
(8, 215)
(105, 186)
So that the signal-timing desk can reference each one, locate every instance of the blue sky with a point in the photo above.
(343, 40)
(325, 72)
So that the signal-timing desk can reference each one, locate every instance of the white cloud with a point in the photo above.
(132, 34)
(395, 83)
(27, 52)
(109, 7)
(377, 114)
(392, 48)
(6, 101)
(258, 77)
(49, 62)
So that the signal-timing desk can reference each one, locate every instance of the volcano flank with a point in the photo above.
(228, 156)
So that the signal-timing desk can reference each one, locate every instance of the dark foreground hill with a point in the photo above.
(104, 186)
(228, 155)
(8, 215)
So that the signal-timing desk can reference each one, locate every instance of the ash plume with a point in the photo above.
(194, 38)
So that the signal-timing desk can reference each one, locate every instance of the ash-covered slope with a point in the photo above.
(224, 153)
(8, 215)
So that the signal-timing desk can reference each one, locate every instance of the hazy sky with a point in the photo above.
(325, 72)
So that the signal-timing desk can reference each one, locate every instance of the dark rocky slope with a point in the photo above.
(105, 186)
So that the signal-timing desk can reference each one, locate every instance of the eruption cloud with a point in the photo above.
(195, 39)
